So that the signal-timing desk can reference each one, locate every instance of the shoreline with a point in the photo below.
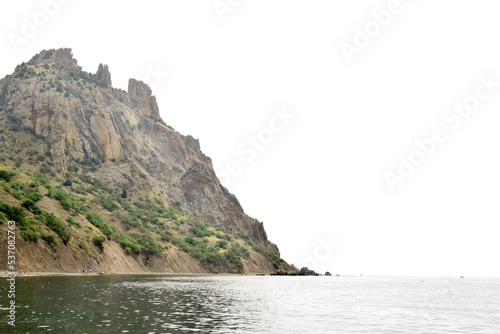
(93, 274)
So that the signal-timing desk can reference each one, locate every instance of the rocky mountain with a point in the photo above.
(95, 179)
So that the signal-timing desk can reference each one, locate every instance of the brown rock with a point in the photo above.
(141, 94)
(103, 74)
(62, 59)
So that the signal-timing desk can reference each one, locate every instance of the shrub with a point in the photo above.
(67, 202)
(14, 213)
(167, 236)
(86, 178)
(200, 233)
(243, 237)
(105, 228)
(98, 241)
(80, 190)
(30, 205)
(202, 252)
(72, 222)
(108, 189)
(215, 258)
(16, 185)
(107, 203)
(190, 241)
(91, 189)
(130, 222)
(6, 176)
(45, 168)
(234, 255)
(15, 128)
(42, 179)
(276, 261)
(33, 194)
(32, 152)
(50, 240)
(54, 224)
(7, 189)
(149, 244)
(29, 234)
(222, 244)
(129, 245)
(17, 214)
(3, 218)
(16, 195)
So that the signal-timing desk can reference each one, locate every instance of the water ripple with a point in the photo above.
(242, 304)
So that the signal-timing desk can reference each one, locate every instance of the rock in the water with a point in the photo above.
(304, 271)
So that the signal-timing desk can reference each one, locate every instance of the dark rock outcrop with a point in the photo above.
(304, 271)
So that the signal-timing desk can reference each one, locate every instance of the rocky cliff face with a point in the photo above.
(84, 121)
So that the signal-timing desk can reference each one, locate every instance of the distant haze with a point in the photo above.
(364, 134)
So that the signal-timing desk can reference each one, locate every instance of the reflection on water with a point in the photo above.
(242, 304)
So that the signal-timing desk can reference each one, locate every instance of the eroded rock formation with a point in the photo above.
(103, 74)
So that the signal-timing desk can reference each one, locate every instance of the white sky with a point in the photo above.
(320, 181)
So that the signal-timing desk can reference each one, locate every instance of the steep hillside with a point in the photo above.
(95, 179)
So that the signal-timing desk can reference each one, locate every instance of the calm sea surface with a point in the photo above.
(252, 304)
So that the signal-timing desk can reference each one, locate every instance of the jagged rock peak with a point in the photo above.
(141, 94)
(103, 74)
(138, 88)
(62, 58)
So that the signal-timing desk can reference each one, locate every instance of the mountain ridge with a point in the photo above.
(94, 134)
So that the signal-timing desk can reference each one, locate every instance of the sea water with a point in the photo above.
(252, 304)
